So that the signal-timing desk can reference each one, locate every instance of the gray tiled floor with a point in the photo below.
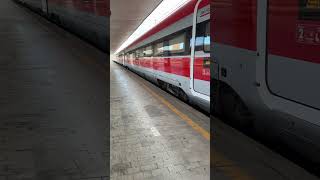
(52, 111)
(148, 140)
(236, 156)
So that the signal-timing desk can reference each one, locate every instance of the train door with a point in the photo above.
(201, 66)
(45, 8)
(293, 60)
(122, 58)
(200, 52)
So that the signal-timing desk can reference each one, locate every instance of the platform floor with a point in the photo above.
(156, 136)
(236, 156)
(149, 139)
(53, 101)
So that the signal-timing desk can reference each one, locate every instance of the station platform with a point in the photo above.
(156, 136)
(151, 137)
(52, 101)
(237, 156)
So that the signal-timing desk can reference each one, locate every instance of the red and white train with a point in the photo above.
(88, 19)
(265, 64)
(176, 53)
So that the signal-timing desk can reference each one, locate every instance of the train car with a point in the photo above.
(176, 53)
(88, 19)
(120, 59)
(266, 64)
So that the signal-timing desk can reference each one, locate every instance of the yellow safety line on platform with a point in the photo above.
(231, 171)
(194, 125)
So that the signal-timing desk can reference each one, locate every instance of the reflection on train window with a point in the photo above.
(148, 51)
(166, 48)
(137, 53)
(199, 43)
(199, 39)
(140, 51)
(158, 50)
(202, 42)
(207, 38)
(177, 44)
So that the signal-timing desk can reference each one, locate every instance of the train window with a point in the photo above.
(158, 49)
(206, 43)
(199, 43)
(188, 43)
(202, 42)
(148, 51)
(166, 48)
(177, 44)
(309, 9)
(199, 37)
(139, 53)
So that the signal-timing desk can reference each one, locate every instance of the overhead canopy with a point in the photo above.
(126, 16)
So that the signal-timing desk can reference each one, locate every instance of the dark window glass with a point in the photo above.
(139, 53)
(158, 49)
(207, 37)
(199, 37)
(177, 44)
(309, 9)
(148, 51)
(202, 42)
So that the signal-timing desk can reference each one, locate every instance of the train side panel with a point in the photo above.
(268, 53)
(292, 70)
(294, 51)
(87, 19)
(234, 54)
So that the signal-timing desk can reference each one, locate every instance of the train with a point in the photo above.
(254, 62)
(168, 56)
(87, 19)
(266, 69)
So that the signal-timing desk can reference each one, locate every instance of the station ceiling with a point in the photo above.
(126, 16)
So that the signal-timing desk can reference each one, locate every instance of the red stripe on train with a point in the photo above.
(234, 22)
(178, 66)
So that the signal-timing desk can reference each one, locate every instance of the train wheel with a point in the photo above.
(162, 85)
(176, 91)
(183, 95)
(234, 110)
